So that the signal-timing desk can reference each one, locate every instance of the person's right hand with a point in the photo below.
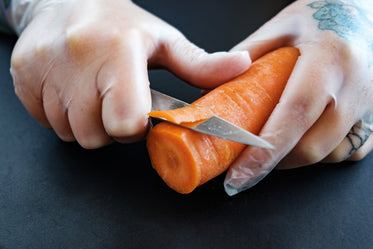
(80, 67)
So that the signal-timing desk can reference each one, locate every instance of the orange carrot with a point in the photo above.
(189, 114)
(186, 159)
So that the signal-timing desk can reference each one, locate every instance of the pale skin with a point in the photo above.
(87, 79)
(330, 89)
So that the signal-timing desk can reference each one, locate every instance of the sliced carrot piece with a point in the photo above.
(188, 114)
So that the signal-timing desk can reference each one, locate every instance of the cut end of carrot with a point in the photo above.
(173, 157)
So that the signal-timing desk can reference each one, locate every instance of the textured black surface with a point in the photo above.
(57, 195)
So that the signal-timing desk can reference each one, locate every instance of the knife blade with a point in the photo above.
(214, 126)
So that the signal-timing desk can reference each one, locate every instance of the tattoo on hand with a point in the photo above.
(357, 136)
(348, 21)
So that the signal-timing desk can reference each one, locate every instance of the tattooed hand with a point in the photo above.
(329, 91)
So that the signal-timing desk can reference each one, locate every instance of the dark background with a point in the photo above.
(57, 195)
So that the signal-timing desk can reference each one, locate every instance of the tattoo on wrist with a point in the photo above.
(349, 21)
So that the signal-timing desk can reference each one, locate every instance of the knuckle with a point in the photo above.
(185, 47)
(77, 42)
(299, 112)
(42, 49)
(84, 41)
(18, 59)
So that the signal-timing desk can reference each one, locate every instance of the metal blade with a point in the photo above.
(214, 126)
(161, 101)
(219, 127)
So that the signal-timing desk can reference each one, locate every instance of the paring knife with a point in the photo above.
(214, 126)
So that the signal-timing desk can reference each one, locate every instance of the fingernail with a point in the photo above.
(235, 185)
(232, 190)
(236, 180)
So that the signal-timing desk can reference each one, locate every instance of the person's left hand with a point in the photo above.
(325, 112)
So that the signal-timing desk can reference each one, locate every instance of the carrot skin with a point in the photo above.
(186, 159)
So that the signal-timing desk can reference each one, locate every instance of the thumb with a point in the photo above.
(200, 68)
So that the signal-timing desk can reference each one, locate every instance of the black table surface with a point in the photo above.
(58, 195)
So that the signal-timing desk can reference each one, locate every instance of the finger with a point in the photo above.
(355, 145)
(28, 87)
(84, 114)
(31, 100)
(303, 101)
(363, 151)
(197, 67)
(366, 129)
(317, 143)
(56, 107)
(32, 58)
(324, 136)
(124, 88)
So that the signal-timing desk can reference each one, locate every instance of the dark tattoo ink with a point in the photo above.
(354, 24)
(358, 135)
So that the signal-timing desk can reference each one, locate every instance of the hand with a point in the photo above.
(329, 91)
(80, 67)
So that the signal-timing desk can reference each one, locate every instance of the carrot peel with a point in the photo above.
(189, 114)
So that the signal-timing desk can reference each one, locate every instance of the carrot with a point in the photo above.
(186, 159)
(189, 114)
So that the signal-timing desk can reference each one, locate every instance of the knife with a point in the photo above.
(214, 126)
